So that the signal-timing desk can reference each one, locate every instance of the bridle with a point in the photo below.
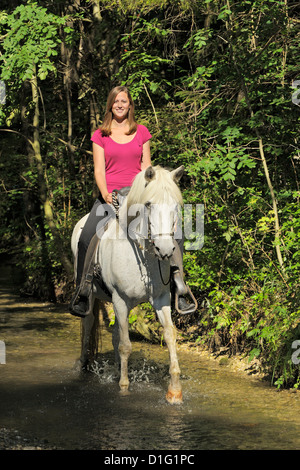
(136, 236)
(150, 237)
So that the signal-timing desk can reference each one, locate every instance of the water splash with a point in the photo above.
(105, 372)
(145, 371)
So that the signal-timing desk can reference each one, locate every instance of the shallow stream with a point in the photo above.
(45, 402)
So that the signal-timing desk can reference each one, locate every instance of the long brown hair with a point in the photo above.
(106, 125)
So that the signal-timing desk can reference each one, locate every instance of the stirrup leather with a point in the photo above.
(74, 298)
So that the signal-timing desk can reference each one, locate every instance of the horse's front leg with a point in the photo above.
(123, 345)
(163, 309)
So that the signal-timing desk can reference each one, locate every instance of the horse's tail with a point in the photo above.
(94, 339)
(93, 345)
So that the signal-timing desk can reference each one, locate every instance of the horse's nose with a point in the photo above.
(164, 248)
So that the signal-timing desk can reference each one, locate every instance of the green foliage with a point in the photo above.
(30, 43)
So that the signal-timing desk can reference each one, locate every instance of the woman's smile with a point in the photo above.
(121, 105)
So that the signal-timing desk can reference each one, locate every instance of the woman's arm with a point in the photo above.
(99, 172)
(146, 157)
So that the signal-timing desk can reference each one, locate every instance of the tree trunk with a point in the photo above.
(42, 186)
(68, 76)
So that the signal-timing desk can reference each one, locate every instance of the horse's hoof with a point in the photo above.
(78, 366)
(124, 392)
(174, 397)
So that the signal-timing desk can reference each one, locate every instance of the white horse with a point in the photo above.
(135, 265)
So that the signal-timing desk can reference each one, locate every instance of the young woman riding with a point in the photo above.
(121, 149)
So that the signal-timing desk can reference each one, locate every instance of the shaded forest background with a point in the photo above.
(216, 83)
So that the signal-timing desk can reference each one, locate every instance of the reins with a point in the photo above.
(161, 276)
(115, 203)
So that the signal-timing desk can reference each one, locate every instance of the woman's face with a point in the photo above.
(121, 106)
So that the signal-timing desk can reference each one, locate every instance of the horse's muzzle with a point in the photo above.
(163, 247)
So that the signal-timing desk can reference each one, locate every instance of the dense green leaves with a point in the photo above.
(31, 41)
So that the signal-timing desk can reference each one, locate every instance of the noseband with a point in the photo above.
(150, 237)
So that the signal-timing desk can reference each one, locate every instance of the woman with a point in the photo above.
(121, 149)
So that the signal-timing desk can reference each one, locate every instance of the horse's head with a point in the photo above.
(156, 190)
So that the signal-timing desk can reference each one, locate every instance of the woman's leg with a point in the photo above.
(98, 217)
(87, 234)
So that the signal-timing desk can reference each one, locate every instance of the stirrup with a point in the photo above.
(74, 298)
(73, 304)
(192, 308)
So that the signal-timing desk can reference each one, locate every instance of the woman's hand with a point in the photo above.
(108, 198)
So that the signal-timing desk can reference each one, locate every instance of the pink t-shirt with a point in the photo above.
(122, 161)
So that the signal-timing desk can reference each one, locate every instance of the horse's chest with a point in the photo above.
(135, 273)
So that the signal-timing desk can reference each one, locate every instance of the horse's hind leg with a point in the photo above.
(122, 343)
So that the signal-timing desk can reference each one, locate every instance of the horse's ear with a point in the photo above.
(177, 174)
(149, 173)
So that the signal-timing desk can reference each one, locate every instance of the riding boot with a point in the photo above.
(182, 290)
(79, 305)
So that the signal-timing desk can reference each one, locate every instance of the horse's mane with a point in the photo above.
(161, 189)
